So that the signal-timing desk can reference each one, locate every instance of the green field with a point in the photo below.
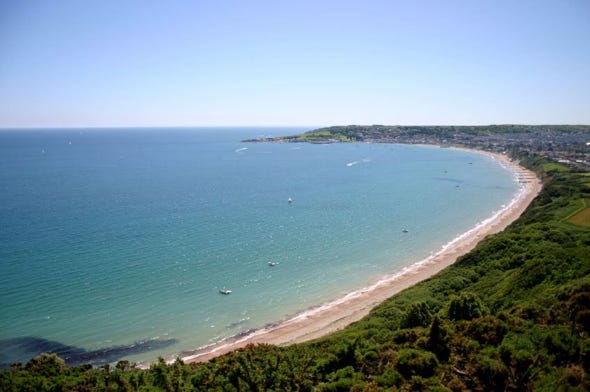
(552, 166)
(581, 218)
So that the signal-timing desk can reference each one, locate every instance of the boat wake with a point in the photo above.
(354, 163)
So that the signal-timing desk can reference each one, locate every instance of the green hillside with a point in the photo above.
(514, 315)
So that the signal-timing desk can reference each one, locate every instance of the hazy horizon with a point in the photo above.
(311, 127)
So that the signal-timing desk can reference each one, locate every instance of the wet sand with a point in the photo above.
(338, 314)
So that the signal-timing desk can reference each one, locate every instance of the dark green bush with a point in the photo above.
(411, 362)
(417, 315)
(466, 306)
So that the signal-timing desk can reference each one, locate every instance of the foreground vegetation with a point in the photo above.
(513, 315)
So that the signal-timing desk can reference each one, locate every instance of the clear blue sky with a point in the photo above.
(316, 63)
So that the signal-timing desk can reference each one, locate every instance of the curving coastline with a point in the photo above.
(337, 314)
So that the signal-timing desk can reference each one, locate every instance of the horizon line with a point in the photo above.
(72, 127)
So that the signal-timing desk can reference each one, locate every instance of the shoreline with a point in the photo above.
(337, 314)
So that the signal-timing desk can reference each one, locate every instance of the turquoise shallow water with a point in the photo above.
(115, 242)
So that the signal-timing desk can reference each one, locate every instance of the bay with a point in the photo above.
(118, 240)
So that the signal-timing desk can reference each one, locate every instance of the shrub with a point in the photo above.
(492, 373)
(46, 365)
(466, 306)
(487, 330)
(389, 378)
(562, 345)
(417, 315)
(411, 362)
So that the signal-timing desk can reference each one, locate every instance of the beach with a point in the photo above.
(347, 235)
(339, 313)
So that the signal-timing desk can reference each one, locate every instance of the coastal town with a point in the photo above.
(565, 144)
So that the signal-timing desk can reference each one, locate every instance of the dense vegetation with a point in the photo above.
(514, 315)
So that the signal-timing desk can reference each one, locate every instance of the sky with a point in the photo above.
(301, 63)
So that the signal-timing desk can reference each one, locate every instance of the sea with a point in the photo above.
(115, 243)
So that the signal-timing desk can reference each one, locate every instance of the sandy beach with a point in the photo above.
(338, 314)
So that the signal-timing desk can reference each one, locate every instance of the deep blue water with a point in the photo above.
(112, 237)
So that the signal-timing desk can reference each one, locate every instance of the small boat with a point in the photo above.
(289, 200)
(405, 231)
(272, 263)
(224, 291)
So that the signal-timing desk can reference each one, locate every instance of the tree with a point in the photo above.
(438, 339)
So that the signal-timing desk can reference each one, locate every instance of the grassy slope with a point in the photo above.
(514, 314)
